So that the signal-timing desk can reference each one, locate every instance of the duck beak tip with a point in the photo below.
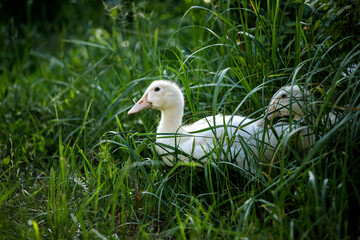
(140, 105)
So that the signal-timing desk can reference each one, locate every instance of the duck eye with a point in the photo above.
(284, 95)
(157, 89)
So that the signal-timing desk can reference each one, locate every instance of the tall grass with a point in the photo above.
(74, 165)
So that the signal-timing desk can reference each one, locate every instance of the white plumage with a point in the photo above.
(289, 100)
(241, 139)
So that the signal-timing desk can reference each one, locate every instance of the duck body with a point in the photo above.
(202, 139)
(230, 138)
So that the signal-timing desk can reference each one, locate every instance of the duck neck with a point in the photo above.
(171, 120)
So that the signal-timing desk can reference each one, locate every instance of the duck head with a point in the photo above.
(161, 95)
(288, 100)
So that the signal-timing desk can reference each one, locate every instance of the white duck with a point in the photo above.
(288, 100)
(241, 138)
(291, 100)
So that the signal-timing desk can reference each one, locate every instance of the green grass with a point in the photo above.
(74, 165)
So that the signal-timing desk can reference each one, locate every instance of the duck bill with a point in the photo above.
(273, 113)
(140, 105)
